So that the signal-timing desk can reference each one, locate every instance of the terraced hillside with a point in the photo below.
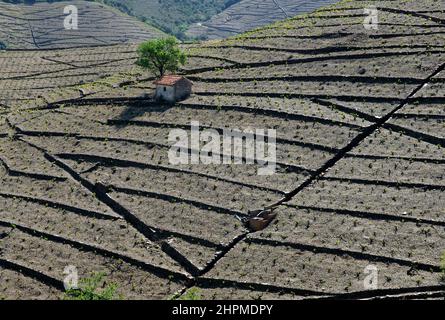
(359, 117)
(41, 26)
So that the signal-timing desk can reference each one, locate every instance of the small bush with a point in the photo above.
(191, 294)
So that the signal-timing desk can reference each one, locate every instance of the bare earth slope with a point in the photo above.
(250, 14)
(41, 26)
(86, 181)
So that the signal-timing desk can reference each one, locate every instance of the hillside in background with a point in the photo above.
(359, 115)
(172, 16)
(214, 19)
(41, 26)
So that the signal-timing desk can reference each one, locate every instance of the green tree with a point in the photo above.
(160, 56)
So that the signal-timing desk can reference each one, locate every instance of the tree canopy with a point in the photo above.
(160, 56)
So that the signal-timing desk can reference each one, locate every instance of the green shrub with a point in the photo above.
(160, 56)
